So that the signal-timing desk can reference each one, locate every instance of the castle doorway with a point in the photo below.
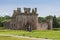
(49, 27)
(28, 27)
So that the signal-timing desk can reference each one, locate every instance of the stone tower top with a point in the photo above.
(26, 11)
(34, 10)
(14, 11)
(19, 10)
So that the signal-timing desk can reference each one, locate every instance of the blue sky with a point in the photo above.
(45, 7)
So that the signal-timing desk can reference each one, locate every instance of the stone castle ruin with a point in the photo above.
(27, 20)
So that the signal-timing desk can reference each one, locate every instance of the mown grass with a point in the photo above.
(51, 34)
(11, 38)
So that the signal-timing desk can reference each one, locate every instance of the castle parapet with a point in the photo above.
(15, 11)
(27, 10)
(34, 10)
(18, 10)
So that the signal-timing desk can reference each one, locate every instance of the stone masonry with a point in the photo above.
(27, 20)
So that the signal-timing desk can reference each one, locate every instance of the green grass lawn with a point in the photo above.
(51, 34)
(11, 38)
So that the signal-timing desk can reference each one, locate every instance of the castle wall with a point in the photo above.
(23, 19)
(6, 25)
(50, 24)
(20, 20)
(42, 26)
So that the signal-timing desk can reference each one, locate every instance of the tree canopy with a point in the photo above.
(4, 19)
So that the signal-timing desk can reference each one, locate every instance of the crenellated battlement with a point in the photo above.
(26, 10)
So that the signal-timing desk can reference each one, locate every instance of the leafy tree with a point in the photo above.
(3, 19)
(49, 17)
(41, 19)
(58, 21)
(55, 22)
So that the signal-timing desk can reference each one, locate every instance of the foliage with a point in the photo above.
(49, 17)
(55, 22)
(58, 21)
(4, 19)
(41, 19)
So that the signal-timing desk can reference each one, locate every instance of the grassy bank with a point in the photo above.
(11, 38)
(51, 34)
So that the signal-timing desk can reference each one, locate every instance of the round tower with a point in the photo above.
(50, 23)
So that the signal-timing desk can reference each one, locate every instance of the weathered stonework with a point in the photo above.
(27, 21)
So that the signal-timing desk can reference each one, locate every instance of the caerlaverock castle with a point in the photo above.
(27, 20)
